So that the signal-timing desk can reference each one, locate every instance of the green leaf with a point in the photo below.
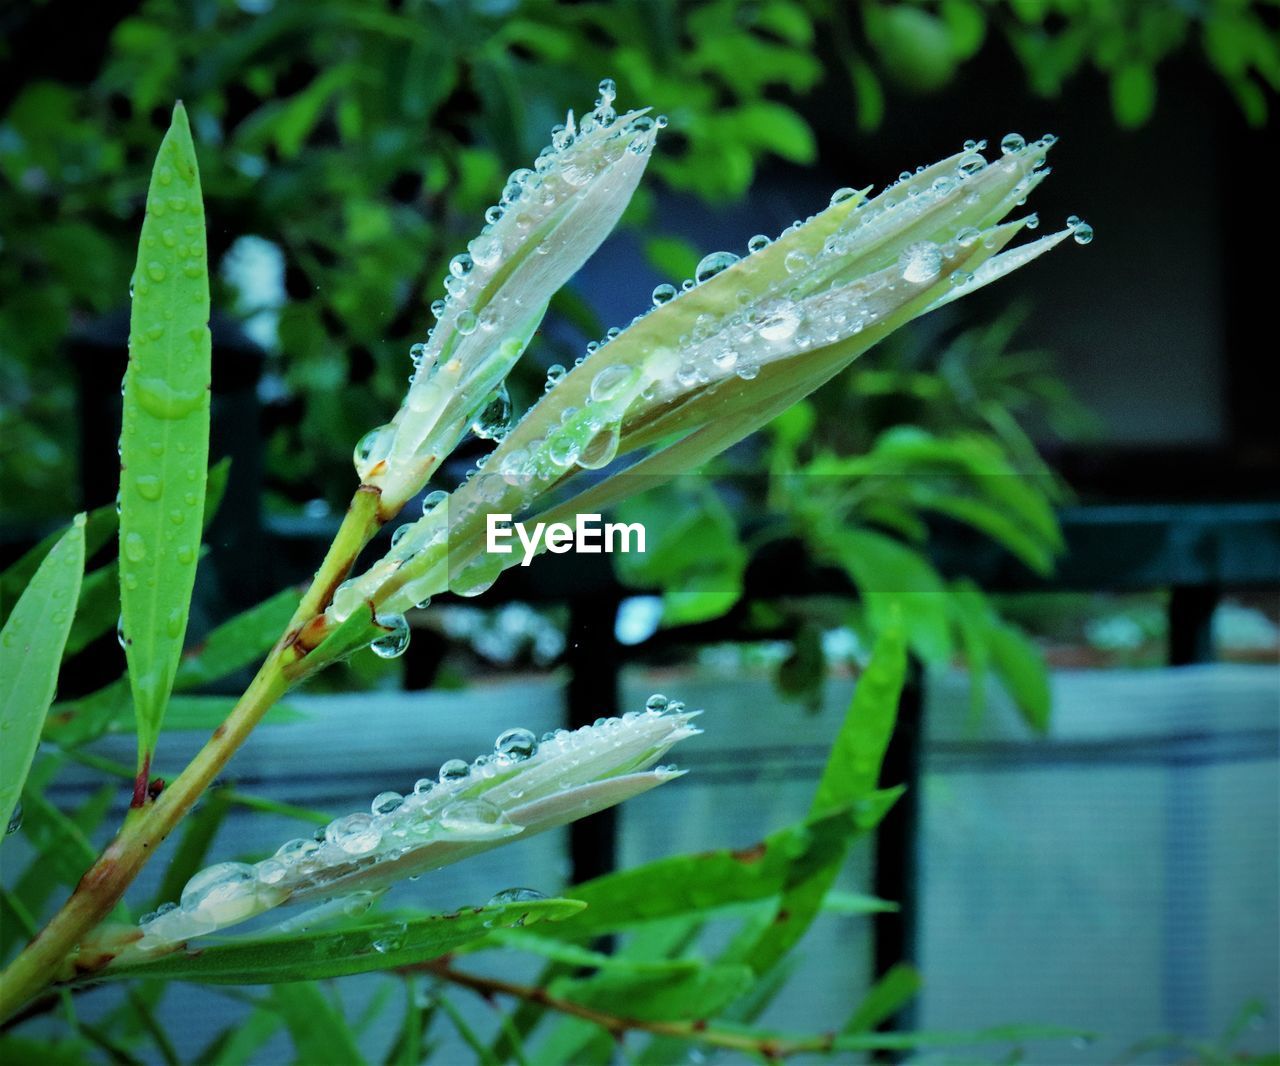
(853, 767)
(1133, 94)
(99, 527)
(885, 998)
(691, 991)
(238, 1045)
(897, 583)
(673, 257)
(321, 954)
(1022, 670)
(165, 438)
(693, 884)
(31, 646)
(317, 1028)
(849, 778)
(238, 642)
(98, 608)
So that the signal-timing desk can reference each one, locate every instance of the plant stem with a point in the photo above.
(101, 888)
(695, 1031)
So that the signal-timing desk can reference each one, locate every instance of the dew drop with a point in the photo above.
(391, 645)
(217, 885)
(779, 325)
(515, 895)
(1012, 142)
(135, 548)
(386, 802)
(453, 770)
(515, 745)
(664, 293)
(920, 262)
(469, 816)
(1081, 231)
(610, 383)
(711, 265)
(356, 834)
(494, 420)
(656, 702)
(460, 265)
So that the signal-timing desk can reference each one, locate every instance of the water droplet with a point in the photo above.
(610, 383)
(920, 262)
(778, 325)
(494, 420)
(664, 293)
(1031, 221)
(270, 871)
(1081, 231)
(795, 262)
(471, 816)
(15, 820)
(460, 265)
(392, 644)
(135, 548)
(515, 895)
(155, 270)
(162, 400)
(554, 373)
(466, 323)
(601, 449)
(356, 834)
(656, 702)
(216, 889)
(841, 195)
(372, 449)
(515, 745)
(296, 850)
(386, 802)
(485, 249)
(713, 264)
(1012, 142)
(453, 770)
(149, 486)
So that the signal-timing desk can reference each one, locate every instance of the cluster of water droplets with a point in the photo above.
(815, 300)
(442, 364)
(464, 802)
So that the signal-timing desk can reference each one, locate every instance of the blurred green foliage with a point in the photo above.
(364, 139)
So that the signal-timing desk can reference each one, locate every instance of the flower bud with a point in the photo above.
(549, 221)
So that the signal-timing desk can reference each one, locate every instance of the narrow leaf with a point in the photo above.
(695, 884)
(318, 1030)
(30, 652)
(165, 437)
(378, 945)
(238, 642)
(885, 998)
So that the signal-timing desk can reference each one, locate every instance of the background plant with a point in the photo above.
(436, 101)
(870, 249)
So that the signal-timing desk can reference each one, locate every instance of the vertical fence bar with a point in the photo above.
(897, 844)
(592, 656)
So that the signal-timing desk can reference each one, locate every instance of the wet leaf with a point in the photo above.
(31, 646)
(311, 955)
(165, 437)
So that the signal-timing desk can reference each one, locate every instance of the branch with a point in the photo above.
(697, 1031)
(102, 887)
